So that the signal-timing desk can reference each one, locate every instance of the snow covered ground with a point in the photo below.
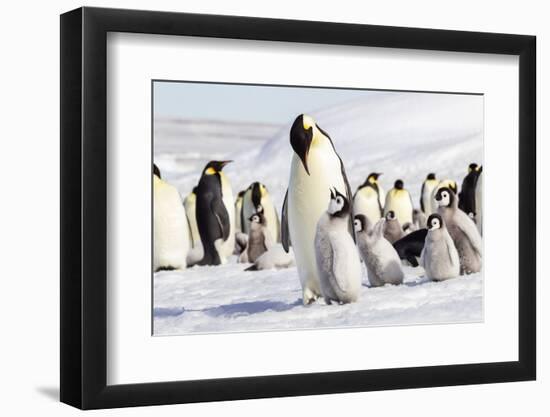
(402, 135)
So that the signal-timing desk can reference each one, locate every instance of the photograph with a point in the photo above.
(281, 208)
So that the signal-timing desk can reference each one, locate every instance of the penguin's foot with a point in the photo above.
(309, 296)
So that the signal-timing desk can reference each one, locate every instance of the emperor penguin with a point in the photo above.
(256, 198)
(467, 195)
(479, 202)
(170, 227)
(451, 184)
(426, 193)
(419, 219)
(410, 247)
(380, 257)
(215, 214)
(190, 203)
(238, 211)
(368, 199)
(392, 228)
(336, 256)
(439, 257)
(259, 239)
(399, 201)
(315, 168)
(462, 229)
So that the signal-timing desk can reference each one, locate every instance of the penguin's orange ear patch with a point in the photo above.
(210, 171)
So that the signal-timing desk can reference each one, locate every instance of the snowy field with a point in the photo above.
(402, 135)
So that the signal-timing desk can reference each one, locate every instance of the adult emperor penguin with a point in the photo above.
(462, 229)
(315, 169)
(410, 246)
(190, 203)
(337, 258)
(426, 193)
(215, 214)
(479, 202)
(399, 201)
(380, 257)
(238, 211)
(451, 184)
(467, 195)
(256, 198)
(170, 227)
(393, 230)
(369, 198)
(439, 256)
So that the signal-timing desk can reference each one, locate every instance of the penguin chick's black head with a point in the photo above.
(473, 167)
(213, 167)
(339, 205)
(257, 218)
(301, 136)
(444, 196)
(431, 176)
(156, 170)
(390, 215)
(398, 185)
(360, 222)
(434, 222)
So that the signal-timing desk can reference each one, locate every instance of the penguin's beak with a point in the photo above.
(224, 163)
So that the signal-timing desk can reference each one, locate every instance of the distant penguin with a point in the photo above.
(426, 193)
(369, 198)
(257, 196)
(259, 239)
(336, 256)
(451, 184)
(467, 195)
(170, 228)
(380, 257)
(479, 202)
(392, 227)
(399, 201)
(410, 246)
(238, 211)
(419, 219)
(315, 169)
(439, 257)
(462, 229)
(215, 214)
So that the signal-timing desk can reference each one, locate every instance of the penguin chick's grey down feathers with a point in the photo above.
(439, 256)
(392, 228)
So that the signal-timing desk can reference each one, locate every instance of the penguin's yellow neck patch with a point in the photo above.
(372, 180)
(308, 122)
(262, 190)
(210, 171)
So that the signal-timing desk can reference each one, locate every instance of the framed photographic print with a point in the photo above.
(258, 207)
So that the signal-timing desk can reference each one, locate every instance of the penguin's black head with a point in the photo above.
(390, 215)
(434, 222)
(257, 218)
(398, 185)
(444, 197)
(431, 176)
(214, 167)
(373, 177)
(360, 223)
(241, 194)
(256, 188)
(194, 191)
(301, 137)
(473, 167)
(339, 205)
(156, 170)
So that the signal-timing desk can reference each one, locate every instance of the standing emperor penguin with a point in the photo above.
(467, 195)
(315, 168)
(256, 198)
(190, 203)
(380, 257)
(462, 229)
(451, 184)
(170, 227)
(399, 201)
(337, 259)
(368, 199)
(428, 186)
(393, 231)
(479, 202)
(215, 214)
(238, 211)
(439, 257)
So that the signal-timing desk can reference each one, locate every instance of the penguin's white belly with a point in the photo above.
(227, 247)
(427, 200)
(190, 211)
(367, 203)
(402, 207)
(308, 198)
(171, 230)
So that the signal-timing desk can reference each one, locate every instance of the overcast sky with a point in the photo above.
(232, 102)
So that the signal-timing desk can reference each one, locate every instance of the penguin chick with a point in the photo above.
(259, 237)
(338, 263)
(462, 229)
(392, 228)
(439, 256)
(275, 258)
(380, 257)
(451, 184)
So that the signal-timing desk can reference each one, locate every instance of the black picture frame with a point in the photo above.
(84, 207)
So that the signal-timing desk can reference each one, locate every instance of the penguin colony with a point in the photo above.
(324, 229)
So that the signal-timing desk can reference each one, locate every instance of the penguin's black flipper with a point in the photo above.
(220, 212)
(422, 200)
(351, 227)
(285, 235)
